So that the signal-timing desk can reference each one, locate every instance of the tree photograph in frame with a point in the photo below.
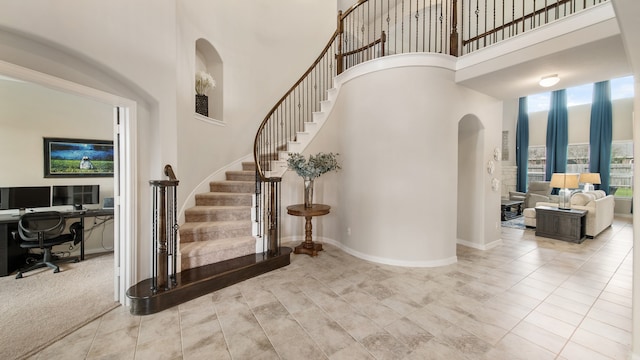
(77, 158)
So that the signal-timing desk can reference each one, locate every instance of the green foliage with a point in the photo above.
(624, 192)
(73, 166)
(315, 166)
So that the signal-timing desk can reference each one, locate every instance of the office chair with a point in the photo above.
(44, 230)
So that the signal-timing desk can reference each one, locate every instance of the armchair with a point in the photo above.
(539, 191)
(44, 230)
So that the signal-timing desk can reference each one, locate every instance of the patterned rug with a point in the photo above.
(515, 223)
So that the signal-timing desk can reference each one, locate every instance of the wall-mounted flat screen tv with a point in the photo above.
(76, 194)
(25, 197)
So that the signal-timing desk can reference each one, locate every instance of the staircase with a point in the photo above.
(216, 245)
(219, 226)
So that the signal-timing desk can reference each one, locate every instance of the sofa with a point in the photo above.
(538, 191)
(599, 207)
(600, 210)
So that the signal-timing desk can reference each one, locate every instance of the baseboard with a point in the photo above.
(483, 247)
(381, 260)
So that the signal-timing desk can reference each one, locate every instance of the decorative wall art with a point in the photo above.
(77, 158)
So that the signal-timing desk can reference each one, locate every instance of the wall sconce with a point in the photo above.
(549, 80)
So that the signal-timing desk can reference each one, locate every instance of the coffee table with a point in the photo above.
(506, 204)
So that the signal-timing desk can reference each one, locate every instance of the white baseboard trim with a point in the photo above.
(377, 259)
(488, 246)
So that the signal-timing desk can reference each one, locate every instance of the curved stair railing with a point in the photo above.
(371, 29)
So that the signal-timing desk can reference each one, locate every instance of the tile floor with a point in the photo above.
(530, 298)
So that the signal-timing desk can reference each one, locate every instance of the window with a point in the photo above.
(621, 169)
(578, 158)
(580, 95)
(538, 102)
(622, 88)
(536, 163)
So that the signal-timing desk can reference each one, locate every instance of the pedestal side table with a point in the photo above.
(308, 246)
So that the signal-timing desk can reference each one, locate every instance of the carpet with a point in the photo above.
(43, 307)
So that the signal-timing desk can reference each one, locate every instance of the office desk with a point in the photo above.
(12, 256)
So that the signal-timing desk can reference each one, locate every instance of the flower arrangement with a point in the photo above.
(204, 82)
(315, 166)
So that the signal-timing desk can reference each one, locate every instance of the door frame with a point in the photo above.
(125, 172)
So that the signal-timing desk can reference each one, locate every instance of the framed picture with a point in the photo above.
(77, 158)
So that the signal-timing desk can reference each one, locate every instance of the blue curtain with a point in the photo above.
(522, 145)
(600, 135)
(557, 135)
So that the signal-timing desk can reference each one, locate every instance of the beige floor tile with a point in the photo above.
(577, 351)
(539, 336)
(529, 298)
(554, 325)
(514, 347)
(560, 313)
(600, 344)
(607, 331)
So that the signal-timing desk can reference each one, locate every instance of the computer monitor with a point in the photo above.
(76, 195)
(25, 197)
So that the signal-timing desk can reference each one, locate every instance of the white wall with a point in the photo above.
(145, 51)
(263, 56)
(30, 112)
(395, 200)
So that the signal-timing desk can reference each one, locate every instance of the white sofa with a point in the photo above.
(599, 206)
(600, 210)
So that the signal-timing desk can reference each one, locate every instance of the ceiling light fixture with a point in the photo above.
(549, 80)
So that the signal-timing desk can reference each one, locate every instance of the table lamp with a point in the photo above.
(589, 179)
(564, 182)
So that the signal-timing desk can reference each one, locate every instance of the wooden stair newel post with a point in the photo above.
(273, 218)
(161, 252)
(453, 38)
(339, 56)
(164, 232)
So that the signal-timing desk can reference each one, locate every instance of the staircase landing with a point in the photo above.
(202, 280)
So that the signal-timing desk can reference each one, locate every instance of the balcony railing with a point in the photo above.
(374, 28)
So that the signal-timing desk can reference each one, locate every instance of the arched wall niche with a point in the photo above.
(470, 180)
(207, 59)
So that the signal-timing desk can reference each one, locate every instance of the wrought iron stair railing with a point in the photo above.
(371, 29)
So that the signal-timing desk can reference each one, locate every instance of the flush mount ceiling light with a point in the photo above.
(549, 80)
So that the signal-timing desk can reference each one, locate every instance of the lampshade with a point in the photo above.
(591, 178)
(564, 181)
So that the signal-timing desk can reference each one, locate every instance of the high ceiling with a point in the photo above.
(579, 51)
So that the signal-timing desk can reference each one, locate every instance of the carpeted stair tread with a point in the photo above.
(205, 247)
(209, 252)
(249, 166)
(203, 213)
(241, 176)
(205, 231)
(233, 186)
(216, 198)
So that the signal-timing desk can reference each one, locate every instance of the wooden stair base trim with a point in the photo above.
(202, 280)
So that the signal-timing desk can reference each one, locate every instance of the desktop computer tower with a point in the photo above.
(12, 256)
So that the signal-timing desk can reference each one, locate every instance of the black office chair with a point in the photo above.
(44, 230)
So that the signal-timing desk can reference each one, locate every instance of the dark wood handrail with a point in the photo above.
(256, 156)
(515, 21)
(380, 40)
